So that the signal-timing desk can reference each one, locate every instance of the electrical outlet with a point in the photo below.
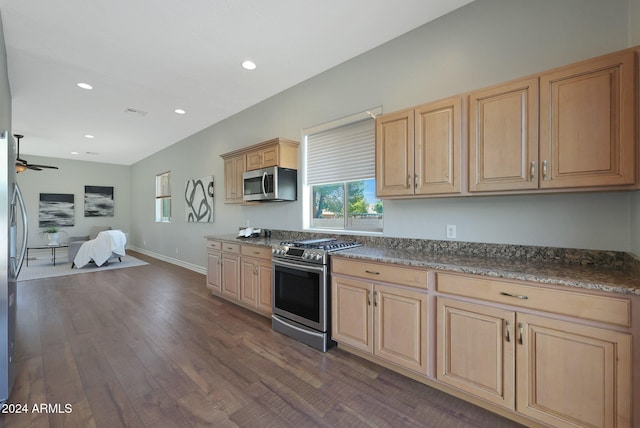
(451, 231)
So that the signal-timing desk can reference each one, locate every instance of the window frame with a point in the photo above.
(163, 197)
(308, 205)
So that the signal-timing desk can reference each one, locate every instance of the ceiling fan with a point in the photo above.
(23, 165)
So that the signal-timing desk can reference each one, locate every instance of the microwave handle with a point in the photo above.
(264, 183)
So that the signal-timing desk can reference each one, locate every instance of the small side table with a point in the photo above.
(53, 249)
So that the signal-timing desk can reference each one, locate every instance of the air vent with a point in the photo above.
(135, 112)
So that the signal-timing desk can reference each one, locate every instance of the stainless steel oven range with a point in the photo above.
(301, 289)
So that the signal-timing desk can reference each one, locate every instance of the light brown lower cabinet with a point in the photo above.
(572, 375)
(255, 288)
(544, 356)
(386, 321)
(560, 373)
(214, 266)
(240, 274)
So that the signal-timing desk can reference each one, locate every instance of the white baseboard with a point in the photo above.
(181, 263)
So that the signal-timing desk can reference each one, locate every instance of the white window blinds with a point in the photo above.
(344, 153)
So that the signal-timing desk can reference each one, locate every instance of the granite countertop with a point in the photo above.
(601, 278)
(580, 276)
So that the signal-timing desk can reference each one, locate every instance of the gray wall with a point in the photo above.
(485, 42)
(71, 178)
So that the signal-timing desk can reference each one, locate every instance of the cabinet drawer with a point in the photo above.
(231, 248)
(214, 245)
(253, 251)
(413, 277)
(605, 309)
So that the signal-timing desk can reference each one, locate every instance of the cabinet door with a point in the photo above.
(503, 137)
(254, 160)
(229, 180)
(437, 147)
(214, 275)
(394, 154)
(249, 281)
(239, 169)
(475, 350)
(231, 275)
(233, 184)
(572, 375)
(264, 286)
(352, 313)
(587, 123)
(270, 156)
(401, 327)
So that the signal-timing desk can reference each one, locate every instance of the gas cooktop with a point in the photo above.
(311, 250)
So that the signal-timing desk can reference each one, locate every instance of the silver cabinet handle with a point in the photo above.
(372, 272)
(533, 170)
(521, 327)
(516, 296)
(408, 180)
(415, 181)
(544, 170)
(368, 297)
(375, 298)
(508, 337)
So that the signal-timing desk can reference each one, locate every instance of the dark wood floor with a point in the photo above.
(150, 347)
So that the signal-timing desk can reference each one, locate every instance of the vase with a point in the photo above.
(53, 238)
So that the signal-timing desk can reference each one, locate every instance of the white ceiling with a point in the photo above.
(159, 55)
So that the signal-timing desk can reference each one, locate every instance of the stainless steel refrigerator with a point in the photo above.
(13, 222)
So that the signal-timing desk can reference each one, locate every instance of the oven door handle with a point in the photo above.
(308, 268)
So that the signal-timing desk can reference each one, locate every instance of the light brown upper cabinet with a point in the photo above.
(418, 150)
(573, 128)
(503, 137)
(587, 123)
(234, 166)
(277, 152)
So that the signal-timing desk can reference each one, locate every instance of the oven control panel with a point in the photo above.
(300, 254)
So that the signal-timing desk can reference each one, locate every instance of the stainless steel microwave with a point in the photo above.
(270, 184)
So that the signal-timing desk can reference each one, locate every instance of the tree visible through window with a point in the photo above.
(355, 198)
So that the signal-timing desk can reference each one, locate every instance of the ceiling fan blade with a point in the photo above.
(34, 167)
(42, 166)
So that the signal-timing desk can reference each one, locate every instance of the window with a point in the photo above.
(163, 197)
(340, 175)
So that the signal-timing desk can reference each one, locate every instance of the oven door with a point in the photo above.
(300, 293)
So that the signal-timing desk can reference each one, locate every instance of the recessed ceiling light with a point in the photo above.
(85, 86)
(89, 136)
(249, 65)
(75, 153)
(180, 111)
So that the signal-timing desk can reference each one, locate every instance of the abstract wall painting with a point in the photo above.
(198, 197)
(98, 201)
(56, 209)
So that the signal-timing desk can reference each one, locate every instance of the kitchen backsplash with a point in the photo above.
(611, 259)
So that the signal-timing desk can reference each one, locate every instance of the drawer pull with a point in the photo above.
(517, 296)
(372, 272)
(508, 338)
